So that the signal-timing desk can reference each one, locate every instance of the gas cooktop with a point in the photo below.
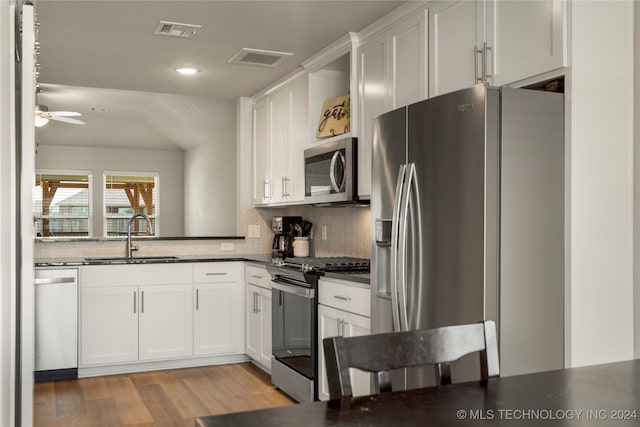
(321, 264)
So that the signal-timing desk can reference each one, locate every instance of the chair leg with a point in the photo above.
(443, 373)
(382, 381)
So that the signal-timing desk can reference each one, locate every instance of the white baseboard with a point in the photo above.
(94, 371)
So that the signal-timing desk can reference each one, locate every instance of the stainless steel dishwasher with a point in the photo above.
(56, 318)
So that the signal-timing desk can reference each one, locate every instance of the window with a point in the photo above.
(62, 204)
(127, 194)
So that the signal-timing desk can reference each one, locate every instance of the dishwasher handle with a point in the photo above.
(54, 280)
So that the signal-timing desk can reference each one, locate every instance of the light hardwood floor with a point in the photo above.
(160, 398)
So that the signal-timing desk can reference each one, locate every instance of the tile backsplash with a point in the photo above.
(347, 235)
(347, 230)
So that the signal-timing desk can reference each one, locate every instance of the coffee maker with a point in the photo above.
(283, 227)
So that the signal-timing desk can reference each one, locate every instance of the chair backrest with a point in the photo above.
(380, 353)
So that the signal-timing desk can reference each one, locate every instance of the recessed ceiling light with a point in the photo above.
(187, 71)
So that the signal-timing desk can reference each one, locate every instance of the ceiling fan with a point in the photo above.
(43, 115)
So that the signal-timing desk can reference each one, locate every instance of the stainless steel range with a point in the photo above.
(294, 361)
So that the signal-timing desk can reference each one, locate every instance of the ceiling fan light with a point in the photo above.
(187, 71)
(40, 121)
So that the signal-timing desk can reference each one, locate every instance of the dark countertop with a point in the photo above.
(136, 238)
(262, 259)
(352, 277)
(80, 261)
(593, 395)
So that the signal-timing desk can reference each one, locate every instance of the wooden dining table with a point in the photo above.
(599, 395)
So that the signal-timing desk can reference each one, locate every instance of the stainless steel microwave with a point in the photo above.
(330, 172)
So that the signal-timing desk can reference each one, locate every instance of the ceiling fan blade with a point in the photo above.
(64, 113)
(67, 120)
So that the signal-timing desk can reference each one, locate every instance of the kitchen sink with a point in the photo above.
(133, 260)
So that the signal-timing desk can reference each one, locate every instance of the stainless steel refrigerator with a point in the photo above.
(467, 211)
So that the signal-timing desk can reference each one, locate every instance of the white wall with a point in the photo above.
(169, 164)
(599, 89)
(636, 213)
(210, 181)
(7, 220)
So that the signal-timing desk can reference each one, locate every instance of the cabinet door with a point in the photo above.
(166, 321)
(261, 153)
(456, 30)
(372, 72)
(109, 325)
(329, 325)
(527, 38)
(408, 44)
(264, 309)
(219, 318)
(298, 139)
(254, 327)
(278, 122)
(357, 325)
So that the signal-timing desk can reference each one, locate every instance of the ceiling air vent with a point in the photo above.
(175, 29)
(265, 58)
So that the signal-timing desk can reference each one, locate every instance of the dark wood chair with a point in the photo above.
(380, 353)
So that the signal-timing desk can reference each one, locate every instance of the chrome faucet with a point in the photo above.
(131, 248)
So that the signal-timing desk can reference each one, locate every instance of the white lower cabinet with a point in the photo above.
(218, 326)
(334, 320)
(165, 322)
(109, 325)
(127, 324)
(258, 308)
(135, 314)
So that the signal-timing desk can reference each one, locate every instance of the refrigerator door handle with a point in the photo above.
(394, 247)
(402, 248)
(415, 260)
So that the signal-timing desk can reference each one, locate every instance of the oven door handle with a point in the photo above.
(293, 289)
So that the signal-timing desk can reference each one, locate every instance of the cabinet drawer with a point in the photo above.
(258, 276)
(345, 296)
(212, 272)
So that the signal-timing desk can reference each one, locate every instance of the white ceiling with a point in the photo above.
(103, 53)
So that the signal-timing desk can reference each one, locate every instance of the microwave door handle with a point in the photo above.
(344, 167)
(332, 172)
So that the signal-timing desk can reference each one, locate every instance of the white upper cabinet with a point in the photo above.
(278, 127)
(494, 41)
(419, 50)
(261, 152)
(373, 99)
(298, 127)
(392, 72)
(456, 30)
(527, 38)
(408, 44)
(280, 136)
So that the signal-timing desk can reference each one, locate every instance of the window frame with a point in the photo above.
(79, 172)
(106, 217)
